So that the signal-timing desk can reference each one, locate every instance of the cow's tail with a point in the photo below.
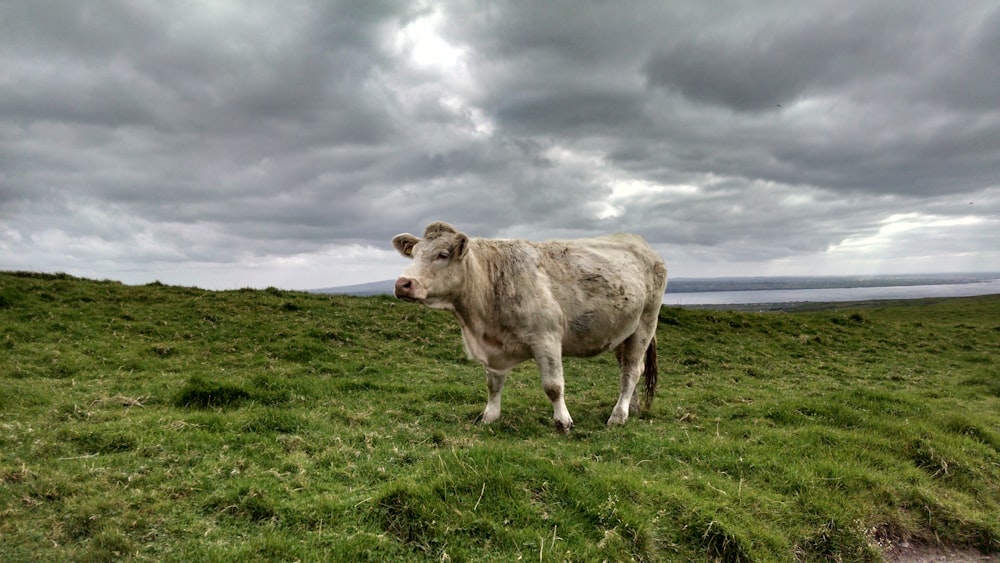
(649, 376)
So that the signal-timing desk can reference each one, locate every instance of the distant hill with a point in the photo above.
(381, 287)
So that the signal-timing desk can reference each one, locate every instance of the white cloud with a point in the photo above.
(421, 41)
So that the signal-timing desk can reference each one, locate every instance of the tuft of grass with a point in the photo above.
(160, 423)
(201, 393)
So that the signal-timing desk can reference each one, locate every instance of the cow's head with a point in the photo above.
(436, 271)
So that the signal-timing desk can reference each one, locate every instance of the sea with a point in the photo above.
(721, 292)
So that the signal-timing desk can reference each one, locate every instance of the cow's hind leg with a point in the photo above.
(494, 385)
(631, 356)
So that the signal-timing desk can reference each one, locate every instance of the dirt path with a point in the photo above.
(937, 554)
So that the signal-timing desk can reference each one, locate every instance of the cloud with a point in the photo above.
(193, 141)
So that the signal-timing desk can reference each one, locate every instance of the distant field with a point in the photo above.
(161, 423)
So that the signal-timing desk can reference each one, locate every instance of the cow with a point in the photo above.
(517, 300)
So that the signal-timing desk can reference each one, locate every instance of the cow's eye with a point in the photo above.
(442, 256)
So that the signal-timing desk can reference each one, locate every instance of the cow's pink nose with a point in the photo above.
(403, 286)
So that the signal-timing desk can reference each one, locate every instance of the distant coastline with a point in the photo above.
(741, 292)
(785, 293)
(706, 285)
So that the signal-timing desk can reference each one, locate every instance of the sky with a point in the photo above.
(230, 144)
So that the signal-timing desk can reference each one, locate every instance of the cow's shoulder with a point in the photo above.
(500, 260)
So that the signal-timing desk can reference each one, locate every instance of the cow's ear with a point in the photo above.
(460, 246)
(404, 243)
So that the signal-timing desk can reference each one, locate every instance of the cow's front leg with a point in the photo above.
(550, 367)
(494, 386)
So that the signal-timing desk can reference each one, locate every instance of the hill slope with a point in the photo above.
(176, 424)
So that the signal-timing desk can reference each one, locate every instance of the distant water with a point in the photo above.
(832, 294)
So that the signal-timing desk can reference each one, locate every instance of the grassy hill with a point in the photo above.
(175, 424)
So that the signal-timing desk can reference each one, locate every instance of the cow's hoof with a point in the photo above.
(617, 419)
(488, 417)
(564, 427)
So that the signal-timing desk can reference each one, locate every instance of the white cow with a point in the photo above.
(517, 300)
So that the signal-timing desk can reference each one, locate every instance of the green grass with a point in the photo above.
(163, 423)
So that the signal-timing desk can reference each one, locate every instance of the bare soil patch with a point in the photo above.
(922, 553)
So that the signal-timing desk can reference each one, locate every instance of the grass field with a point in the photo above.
(163, 423)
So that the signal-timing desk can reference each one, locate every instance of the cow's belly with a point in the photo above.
(592, 331)
(494, 351)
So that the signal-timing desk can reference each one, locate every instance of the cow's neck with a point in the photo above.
(483, 328)
(472, 306)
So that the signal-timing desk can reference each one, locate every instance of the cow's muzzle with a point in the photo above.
(409, 289)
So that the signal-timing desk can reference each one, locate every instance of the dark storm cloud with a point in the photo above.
(775, 63)
(271, 137)
(882, 80)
